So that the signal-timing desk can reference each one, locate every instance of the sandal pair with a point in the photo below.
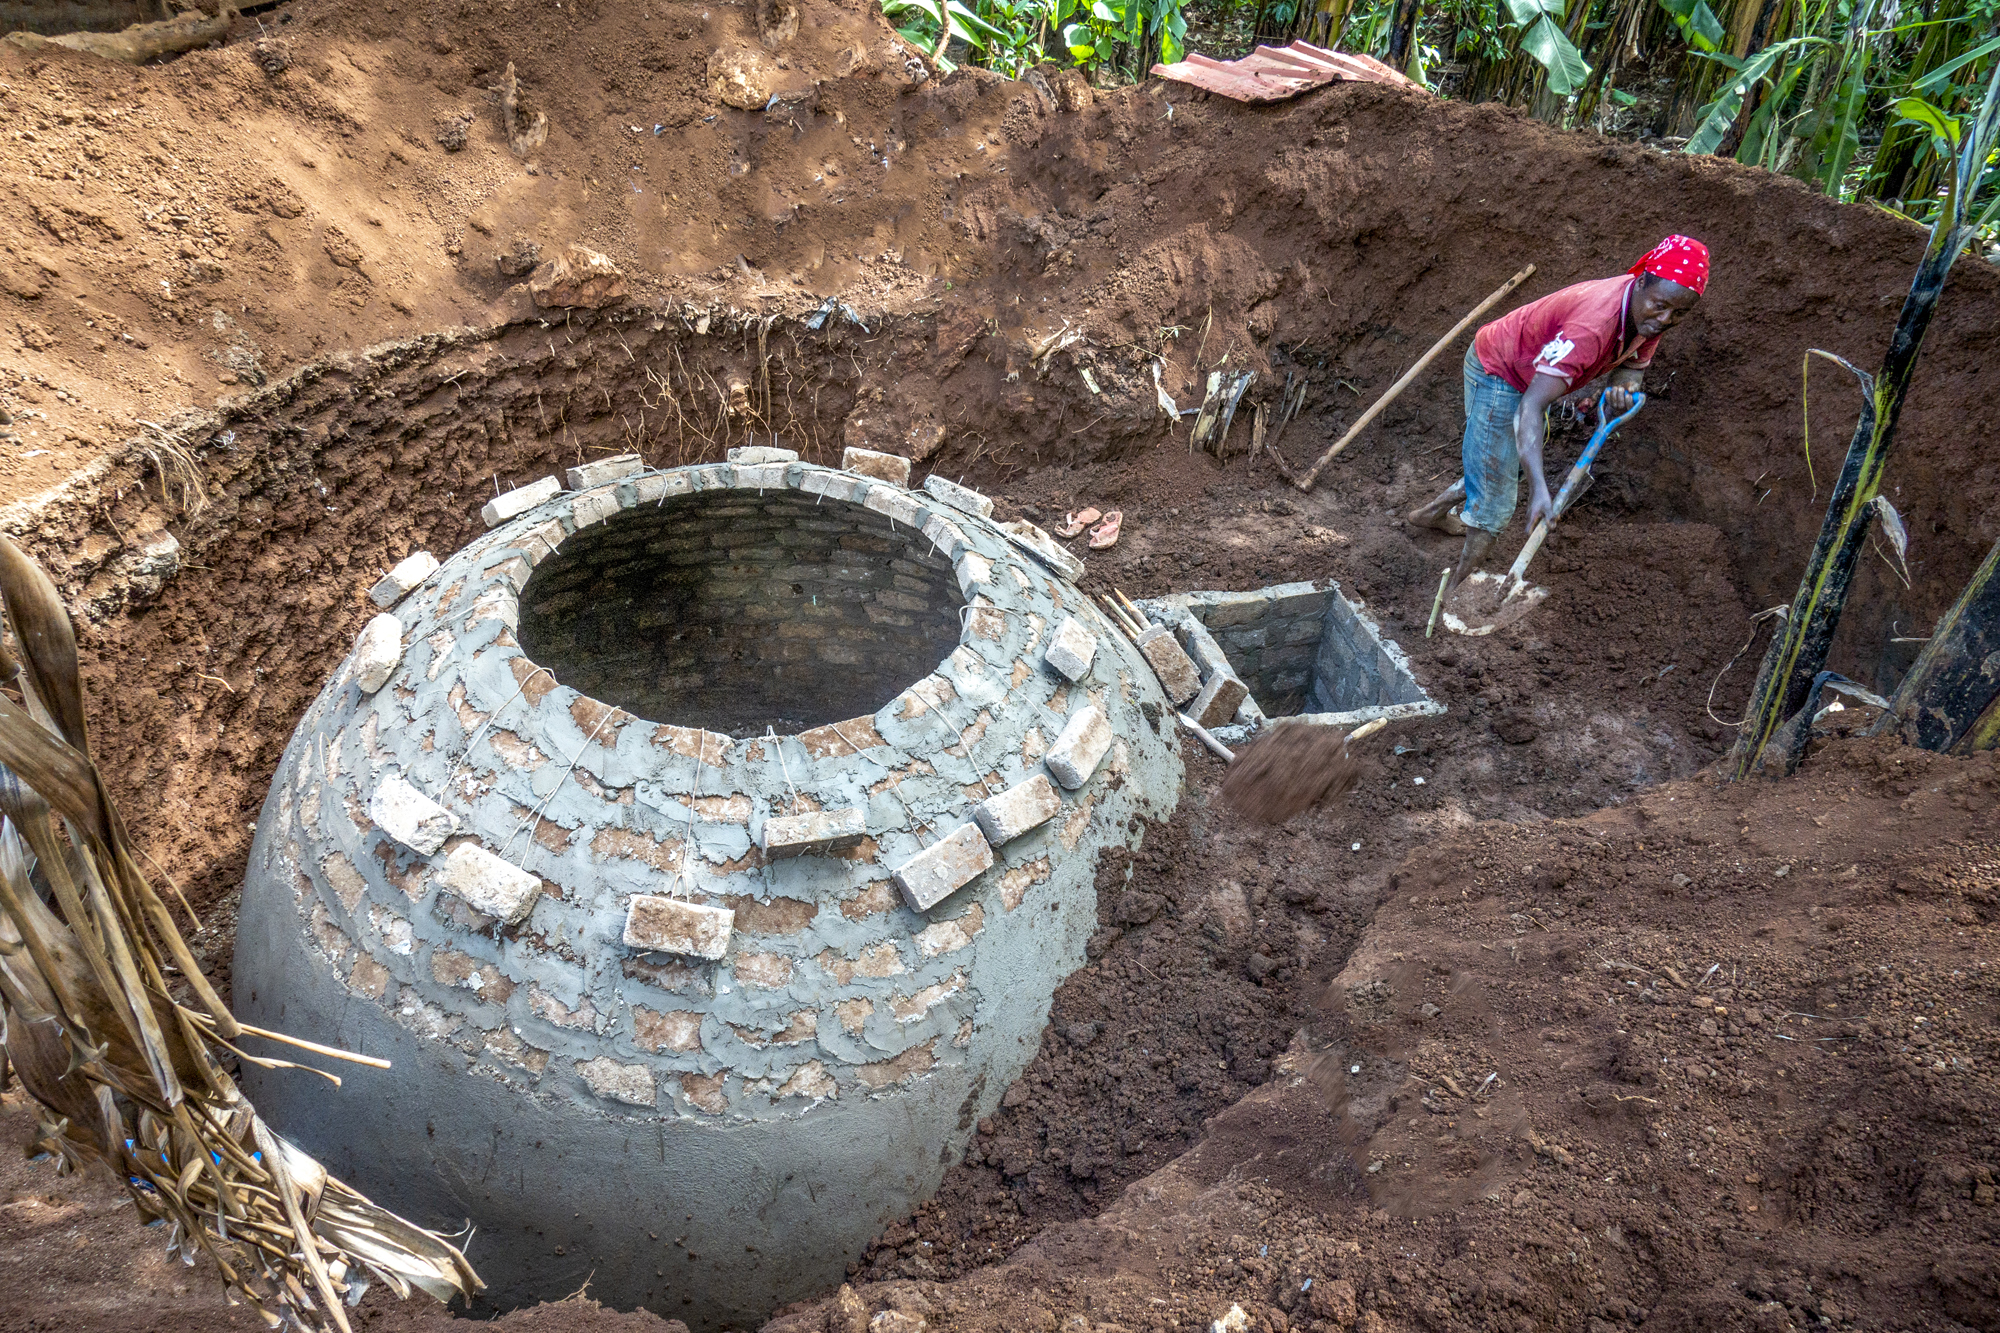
(1102, 536)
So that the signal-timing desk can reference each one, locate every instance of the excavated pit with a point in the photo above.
(201, 663)
(1303, 650)
(323, 481)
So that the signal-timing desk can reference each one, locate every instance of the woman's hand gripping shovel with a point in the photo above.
(1485, 602)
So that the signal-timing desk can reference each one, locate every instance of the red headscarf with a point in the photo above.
(1680, 259)
(1677, 259)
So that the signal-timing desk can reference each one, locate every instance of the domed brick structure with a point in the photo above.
(703, 848)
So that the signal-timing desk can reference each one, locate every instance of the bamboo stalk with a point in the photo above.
(1798, 653)
(1140, 618)
(1305, 482)
(1118, 618)
(1948, 689)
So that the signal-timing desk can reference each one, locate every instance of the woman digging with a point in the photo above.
(1521, 363)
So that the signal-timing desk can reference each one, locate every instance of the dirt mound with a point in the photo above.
(1722, 1058)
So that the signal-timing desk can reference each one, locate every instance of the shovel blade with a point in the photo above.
(1486, 602)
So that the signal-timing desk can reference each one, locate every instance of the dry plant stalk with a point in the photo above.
(524, 133)
(127, 1074)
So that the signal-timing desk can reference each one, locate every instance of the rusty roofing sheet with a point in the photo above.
(1274, 73)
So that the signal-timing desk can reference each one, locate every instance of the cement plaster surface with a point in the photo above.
(773, 1107)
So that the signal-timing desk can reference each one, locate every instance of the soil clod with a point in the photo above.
(1289, 771)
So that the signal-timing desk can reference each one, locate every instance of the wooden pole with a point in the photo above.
(1221, 751)
(1305, 482)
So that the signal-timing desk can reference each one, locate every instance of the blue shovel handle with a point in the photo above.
(1589, 455)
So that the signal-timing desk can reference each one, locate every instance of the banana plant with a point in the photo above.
(1699, 26)
(932, 24)
(1543, 39)
(1095, 30)
(1719, 115)
(1946, 133)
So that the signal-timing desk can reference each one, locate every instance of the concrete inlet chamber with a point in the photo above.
(1301, 651)
(703, 849)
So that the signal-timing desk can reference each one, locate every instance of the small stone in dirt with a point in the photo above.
(777, 22)
(1082, 1034)
(845, 1313)
(21, 284)
(742, 77)
(451, 128)
(272, 55)
(578, 277)
(908, 1300)
(520, 258)
(896, 1321)
(1259, 966)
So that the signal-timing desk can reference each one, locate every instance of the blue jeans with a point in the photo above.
(1492, 463)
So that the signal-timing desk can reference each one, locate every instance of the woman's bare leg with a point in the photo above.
(1478, 542)
(1435, 514)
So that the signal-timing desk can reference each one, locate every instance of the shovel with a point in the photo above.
(1486, 602)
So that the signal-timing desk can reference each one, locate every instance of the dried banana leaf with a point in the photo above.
(125, 1073)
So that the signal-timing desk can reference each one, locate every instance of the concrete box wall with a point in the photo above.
(1305, 651)
(1354, 666)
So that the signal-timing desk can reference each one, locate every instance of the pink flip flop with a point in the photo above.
(1105, 535)
(1072, 524)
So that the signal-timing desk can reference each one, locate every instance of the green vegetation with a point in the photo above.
(1113, 39)
(1865, 99)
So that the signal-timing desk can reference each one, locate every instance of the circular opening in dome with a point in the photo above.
(734, 611)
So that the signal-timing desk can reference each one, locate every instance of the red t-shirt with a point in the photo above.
(1575, 334)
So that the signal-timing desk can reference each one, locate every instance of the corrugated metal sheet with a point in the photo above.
(1274, 73)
